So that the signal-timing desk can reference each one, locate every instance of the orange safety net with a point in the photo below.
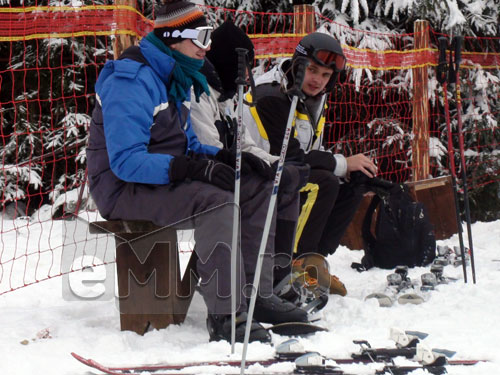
(50, 58)
(17, 24)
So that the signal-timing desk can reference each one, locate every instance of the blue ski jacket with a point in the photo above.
(135, 130)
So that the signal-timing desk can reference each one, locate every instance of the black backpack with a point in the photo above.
(403, 232)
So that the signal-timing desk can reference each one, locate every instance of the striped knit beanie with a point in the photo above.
(177, 15)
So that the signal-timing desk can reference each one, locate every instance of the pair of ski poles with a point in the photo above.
(296, 92)
(448, 73)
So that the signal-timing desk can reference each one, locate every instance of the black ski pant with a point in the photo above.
(209, 210)
(327, 208)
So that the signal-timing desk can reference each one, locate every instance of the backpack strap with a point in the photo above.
(367, 223)
(368, 239)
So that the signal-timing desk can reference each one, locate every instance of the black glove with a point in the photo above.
(249, 163)
(294, 176)
(206, 170)
(257, 165)
(359, 180)
(320, 160)
(226, 156)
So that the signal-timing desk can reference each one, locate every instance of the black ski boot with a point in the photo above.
(219, 328)
(275, 310)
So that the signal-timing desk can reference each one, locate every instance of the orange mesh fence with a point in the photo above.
(374, 108)
(50, 58)
(18, 24)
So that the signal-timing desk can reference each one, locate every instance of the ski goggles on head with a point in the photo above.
(199, 36)
(329, 59)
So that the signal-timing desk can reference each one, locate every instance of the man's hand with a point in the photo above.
(360, 162)
(249, 163)
(206, 170)
(320, 160)
(257, 165)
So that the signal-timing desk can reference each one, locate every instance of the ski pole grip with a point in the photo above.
(457, 43)
(300, 63)
(242, 65)
(442, 69)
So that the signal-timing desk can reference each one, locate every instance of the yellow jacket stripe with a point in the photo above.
(312, 194)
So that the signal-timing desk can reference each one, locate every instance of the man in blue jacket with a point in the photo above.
(146, 163)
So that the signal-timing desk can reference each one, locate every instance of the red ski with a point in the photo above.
(234, 363)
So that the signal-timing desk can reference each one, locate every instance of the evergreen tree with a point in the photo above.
(45, 113)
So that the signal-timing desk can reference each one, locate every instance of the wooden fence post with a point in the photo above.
(420, 114)
(124, 20)
(304, 19)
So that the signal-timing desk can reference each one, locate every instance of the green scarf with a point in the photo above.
(186, 73)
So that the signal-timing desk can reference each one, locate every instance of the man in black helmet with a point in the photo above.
(328, 203)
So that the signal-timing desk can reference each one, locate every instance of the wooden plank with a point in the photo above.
(440, 204)
(304, 20)
(420, 113)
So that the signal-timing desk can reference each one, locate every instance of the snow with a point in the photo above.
(40, 325)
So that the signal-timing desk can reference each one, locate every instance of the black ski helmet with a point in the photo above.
(324, 50)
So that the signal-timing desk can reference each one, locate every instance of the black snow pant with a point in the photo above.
(209, 210)
(327, 208)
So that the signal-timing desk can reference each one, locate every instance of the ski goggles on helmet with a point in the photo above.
(199, 36)
(329, 59)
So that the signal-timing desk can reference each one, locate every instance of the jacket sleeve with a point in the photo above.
(194, 144)
(273, 113)
(203, 118)
(128, 106)
(248, 145)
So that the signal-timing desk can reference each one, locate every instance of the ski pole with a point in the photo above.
(442, 73)
(240, 81)
(457, 44)
(296, 92)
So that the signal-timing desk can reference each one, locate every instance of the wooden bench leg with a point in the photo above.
(149, 285)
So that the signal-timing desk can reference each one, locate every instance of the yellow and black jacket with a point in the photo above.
(266, 120)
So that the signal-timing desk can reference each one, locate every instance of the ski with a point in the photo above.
(308, 364)
(171, 367)
(402, 289)
(407, 345)
(399, 288)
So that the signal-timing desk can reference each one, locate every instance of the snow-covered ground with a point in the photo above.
(40, 325)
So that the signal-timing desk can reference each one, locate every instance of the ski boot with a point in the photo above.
(219, 328)
(303, 291)
(317, 267)
(275, 310)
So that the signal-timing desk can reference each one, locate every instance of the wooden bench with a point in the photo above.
(150, 289)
